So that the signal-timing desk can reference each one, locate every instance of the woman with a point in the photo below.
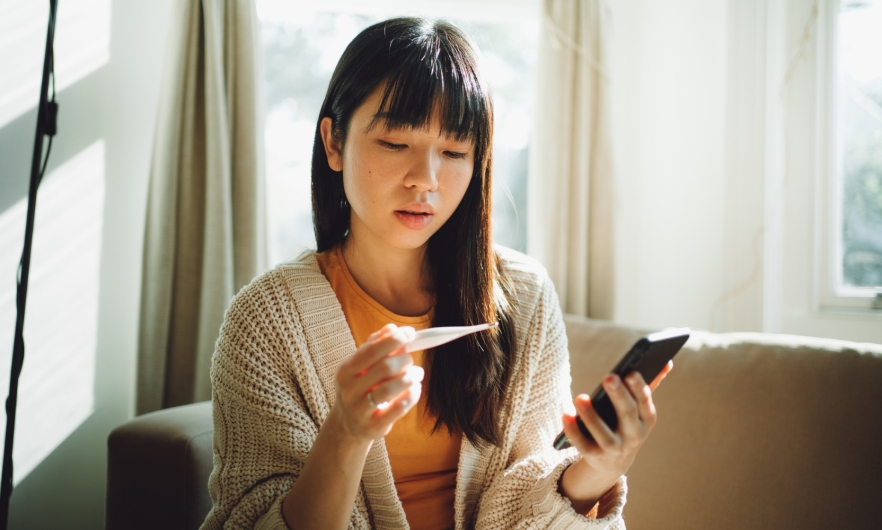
(322, 419)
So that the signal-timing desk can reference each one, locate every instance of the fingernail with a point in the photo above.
(633, 380)
(613, 381)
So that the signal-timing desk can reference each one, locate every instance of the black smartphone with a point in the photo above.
(648, 356)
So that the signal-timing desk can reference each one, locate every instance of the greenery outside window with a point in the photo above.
(858, 270)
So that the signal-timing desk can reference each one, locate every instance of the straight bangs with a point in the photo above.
(430, 77)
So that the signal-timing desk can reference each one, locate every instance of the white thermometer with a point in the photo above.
(425, 339)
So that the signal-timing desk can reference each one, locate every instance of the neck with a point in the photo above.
(397, 278)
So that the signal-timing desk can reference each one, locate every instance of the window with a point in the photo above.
(301, 47)
(858, 223)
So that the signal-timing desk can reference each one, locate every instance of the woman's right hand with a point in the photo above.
(322, 496)
(382, 369)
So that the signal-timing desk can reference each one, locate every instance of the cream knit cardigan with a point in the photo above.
(273, 385)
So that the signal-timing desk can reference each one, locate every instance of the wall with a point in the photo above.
(117, 104)
(668, 87)
(717, 121)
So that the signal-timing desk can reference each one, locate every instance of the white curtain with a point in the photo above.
(570, 215)
(204, 236)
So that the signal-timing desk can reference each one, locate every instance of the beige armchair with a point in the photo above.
(755, 431)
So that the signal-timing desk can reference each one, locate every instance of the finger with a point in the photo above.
(661, 375)
(371, 352)
(603, 435)
(643, 395)
(624, 404)
(385, 330)
(350, 374)
(384, 395)
(389, 367)
(390, 389)
(576, 438)
(398, 407)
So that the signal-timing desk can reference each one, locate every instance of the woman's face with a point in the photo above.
(402, 184)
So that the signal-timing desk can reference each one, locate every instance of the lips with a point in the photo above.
(415, 216)
(417, 207)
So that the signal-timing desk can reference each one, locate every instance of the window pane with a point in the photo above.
(300, 51)
(300, 54)
(509, 54)
(860, 137)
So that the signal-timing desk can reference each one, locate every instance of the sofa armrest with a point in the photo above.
(157, 470)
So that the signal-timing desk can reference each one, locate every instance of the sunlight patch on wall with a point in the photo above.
(82, 45)
(56, 389)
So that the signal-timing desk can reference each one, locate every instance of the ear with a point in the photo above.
(332, 148)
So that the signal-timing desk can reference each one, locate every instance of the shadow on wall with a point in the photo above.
(56, 389)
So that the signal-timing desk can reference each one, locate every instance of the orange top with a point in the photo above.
(423, 464)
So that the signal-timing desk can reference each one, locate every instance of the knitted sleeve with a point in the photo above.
(525, 495)
(262, 427)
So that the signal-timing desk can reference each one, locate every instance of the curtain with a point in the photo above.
(204, 234)
(570, 183)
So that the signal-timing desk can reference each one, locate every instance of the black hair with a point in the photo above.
(426, 67)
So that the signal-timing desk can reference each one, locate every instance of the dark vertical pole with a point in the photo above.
(24, 270)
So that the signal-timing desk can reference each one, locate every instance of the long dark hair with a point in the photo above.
(426, 64)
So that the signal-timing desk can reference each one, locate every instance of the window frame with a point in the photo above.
(832, 294)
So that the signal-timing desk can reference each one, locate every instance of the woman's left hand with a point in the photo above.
(611, 454)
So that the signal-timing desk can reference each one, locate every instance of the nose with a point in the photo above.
(423, 172)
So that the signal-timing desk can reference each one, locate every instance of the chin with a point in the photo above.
(409, 243)
(410, 240)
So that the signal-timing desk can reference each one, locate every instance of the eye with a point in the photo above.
(455, 154)
(390, 145)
